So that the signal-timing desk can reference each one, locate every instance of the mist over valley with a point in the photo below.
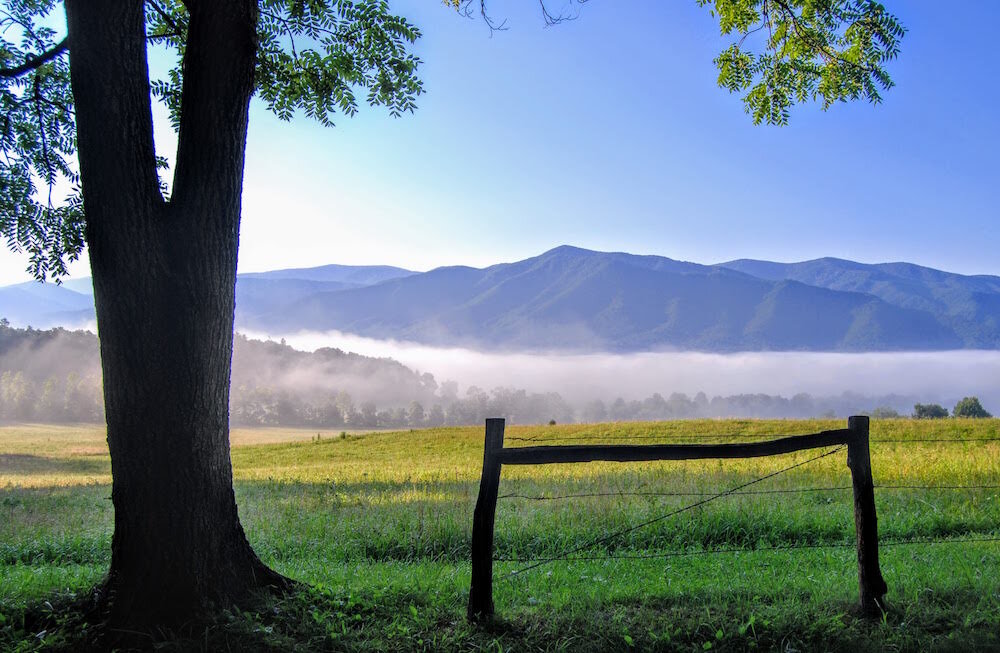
(334, 380)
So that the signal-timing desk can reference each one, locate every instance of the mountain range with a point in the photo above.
(575, 299)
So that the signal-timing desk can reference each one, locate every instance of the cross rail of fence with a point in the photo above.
(726, 436)
(871, 585)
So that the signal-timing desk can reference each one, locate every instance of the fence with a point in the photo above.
(872, 587)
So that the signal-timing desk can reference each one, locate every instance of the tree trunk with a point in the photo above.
(164, 285)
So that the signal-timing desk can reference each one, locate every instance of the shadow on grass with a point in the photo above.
(16, 464)
(314, 619)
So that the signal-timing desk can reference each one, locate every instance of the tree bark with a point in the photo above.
(164, 285)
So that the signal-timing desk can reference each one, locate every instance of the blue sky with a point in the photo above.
(609, 132)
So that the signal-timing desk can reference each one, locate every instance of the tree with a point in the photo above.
(415, 414)
(969, 407)
(436, 416)
(164, 267)
(77, 115)
(929, 411)
(594, 412)
(885, 412)
(787, 51)
(369, 415)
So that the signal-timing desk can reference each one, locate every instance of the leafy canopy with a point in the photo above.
(317, 56)
(970, 407)
(929, 411)
(824, 50)
(37, 140)
(314, 56)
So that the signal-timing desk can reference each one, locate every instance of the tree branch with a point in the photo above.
(36, 62)
(821, 48)
(167, 18)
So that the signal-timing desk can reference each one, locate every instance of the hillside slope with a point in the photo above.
(570, 298)
(968, 305)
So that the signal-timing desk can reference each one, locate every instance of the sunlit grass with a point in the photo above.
(389, 515)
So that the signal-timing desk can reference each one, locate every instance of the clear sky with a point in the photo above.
(610, 133)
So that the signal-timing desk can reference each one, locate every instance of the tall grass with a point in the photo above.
(389, 515)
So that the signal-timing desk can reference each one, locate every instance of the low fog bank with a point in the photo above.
(894, 378)
(314, 380)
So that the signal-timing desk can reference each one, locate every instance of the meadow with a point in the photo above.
(378, 524)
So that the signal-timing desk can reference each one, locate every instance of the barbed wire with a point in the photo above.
(624, 531)
(903, 440)
(937, 487)
(778, 547)
(558, 497)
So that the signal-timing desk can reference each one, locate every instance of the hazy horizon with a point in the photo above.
(84, 274)
(942, 376)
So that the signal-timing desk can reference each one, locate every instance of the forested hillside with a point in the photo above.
(572, 299)
(576, 299)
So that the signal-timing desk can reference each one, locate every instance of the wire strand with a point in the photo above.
(607, 538)
(904, 440)
(557, 497)
(779, 547)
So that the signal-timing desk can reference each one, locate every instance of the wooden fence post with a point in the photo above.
(481, 590)
(870, 582)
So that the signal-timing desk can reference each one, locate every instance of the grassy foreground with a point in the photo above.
(379, 525)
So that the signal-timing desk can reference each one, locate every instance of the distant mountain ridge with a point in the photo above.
(351, 275)
(576, 299)
(72, 303)
(969, 305)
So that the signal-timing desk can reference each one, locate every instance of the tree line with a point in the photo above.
(966, 407)
(53, 376)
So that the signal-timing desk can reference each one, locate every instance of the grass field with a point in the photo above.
(379, 525)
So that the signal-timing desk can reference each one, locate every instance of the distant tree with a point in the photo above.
(289, 409)
(929, 411)
(346, 406)
(428, 382)
(802, 405)
(329, 414)
(619, 411)
(369, 414)
(18, 396)
(885, 412)
(415, 414)
(398, 416)
(970, 407)
(594, 412)
(436, 416)
(680, 406)
(449, 390)
(50, 402)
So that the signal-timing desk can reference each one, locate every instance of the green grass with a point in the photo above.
(379, 525)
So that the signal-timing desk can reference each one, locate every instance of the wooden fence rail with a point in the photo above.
(871, 585)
